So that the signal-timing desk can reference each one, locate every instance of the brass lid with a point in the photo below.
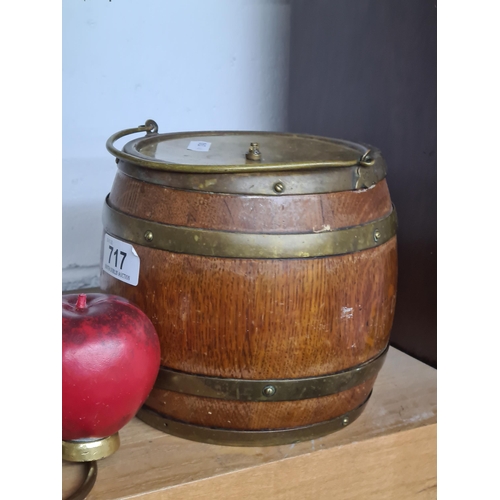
(237, 151)
(229, 149)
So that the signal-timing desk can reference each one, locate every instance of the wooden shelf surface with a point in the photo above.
(388, 453)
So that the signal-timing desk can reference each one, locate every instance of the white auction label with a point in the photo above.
(120, 260)
(199, 146)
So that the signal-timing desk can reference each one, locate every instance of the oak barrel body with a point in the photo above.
(273, 292)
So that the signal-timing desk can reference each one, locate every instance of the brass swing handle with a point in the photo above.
(151, 128)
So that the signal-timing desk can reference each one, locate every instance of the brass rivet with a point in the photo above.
(376, 235)
(279, 187)
(345, 421)
(269, 391)
(148, 236)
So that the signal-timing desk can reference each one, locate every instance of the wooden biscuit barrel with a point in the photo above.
(267, 263)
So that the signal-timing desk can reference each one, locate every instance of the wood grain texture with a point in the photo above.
(388, 453)
(256, 214)
(268, 318)
(409, 460)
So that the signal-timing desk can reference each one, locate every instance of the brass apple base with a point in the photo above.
(89, 451)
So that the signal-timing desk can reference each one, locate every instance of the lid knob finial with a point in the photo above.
(253, 152)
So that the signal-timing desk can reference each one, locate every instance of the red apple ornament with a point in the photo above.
(111, 358)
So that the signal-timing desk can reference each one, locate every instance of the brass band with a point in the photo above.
(230, 437)
(269, 390)
(196, 241)
(303, 182)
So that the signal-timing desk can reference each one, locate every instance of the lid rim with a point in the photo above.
(132, 154)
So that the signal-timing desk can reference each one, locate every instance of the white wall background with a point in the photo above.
(187, 64)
